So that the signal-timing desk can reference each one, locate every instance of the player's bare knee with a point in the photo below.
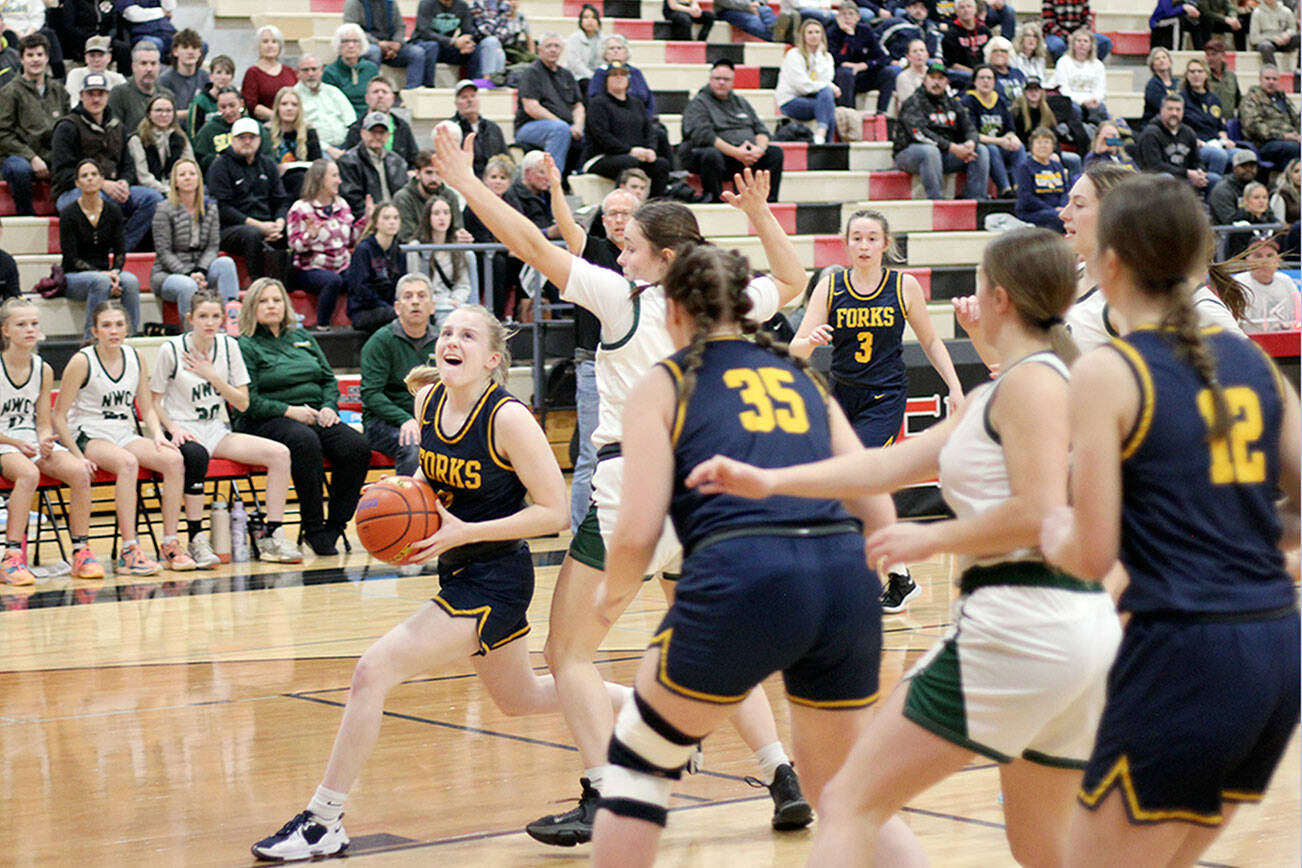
(26, 475)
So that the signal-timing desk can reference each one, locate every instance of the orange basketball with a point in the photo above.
(394, 513)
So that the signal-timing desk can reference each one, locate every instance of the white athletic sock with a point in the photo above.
(769, 758)
(327, 805)
(897, 570)
(596, 776)
(626, 695)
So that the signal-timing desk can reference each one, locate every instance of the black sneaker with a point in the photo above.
(572, 827)
(304, 837)
(900, 588)
(790, 810)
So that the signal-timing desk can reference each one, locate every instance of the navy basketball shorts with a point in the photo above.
(753, 605)
(875, 414)
(1198, 713)
(495, 591)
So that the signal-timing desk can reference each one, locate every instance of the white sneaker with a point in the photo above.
(820, 135)
(276, 549)
(304, 837)
(201, 550)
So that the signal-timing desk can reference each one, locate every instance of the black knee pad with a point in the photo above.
(196, 466)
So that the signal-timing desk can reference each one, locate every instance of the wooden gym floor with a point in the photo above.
(173, 721)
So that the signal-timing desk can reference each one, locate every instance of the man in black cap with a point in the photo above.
(369, 169)
(935, 136)
(725, 135)
(253, 202)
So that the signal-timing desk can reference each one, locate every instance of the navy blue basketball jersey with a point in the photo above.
(868, 330)
(1199, 530)
(752, 405)
(473, 481)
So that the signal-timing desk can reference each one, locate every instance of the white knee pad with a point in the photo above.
(646, 756)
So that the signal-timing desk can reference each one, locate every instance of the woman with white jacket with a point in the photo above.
(1080, 76)
(805, 82)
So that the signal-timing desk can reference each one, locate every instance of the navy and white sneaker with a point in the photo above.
(304, 837)
(900, 588)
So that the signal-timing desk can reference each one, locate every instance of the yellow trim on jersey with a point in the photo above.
(1120, 777)
(1146, 398)
(479, 613)
(465, 426)
(680, 408)
(899, 292)
(492, 418)
(1240, 796)
(508, 639)
(833, 704)
(849, 285)
(424, 407)
(662, 639)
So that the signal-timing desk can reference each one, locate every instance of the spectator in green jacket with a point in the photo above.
(1269, 120)
(29, 106)
(350, 71)
(204, 103)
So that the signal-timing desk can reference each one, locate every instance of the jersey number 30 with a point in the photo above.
(1233, 457)
(774, 403)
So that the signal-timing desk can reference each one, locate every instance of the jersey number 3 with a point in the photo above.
(865, 352)
(774, 404)
(1233, 457)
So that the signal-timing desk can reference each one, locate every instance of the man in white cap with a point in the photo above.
(326, 108)
(489, 141)
(91, 131)
(253, 202)
(370, 170)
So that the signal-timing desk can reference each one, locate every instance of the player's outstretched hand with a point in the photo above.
(820, 335)
(454, 160)
(1055, 532)
(723, 475)
(752, 190)
(452, 532)
(901, 542)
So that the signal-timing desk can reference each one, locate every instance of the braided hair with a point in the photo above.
(1164, 256)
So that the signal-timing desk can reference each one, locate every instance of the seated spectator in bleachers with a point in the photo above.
(150, 20)
(92, 238)
(550, 113)
(322, 232)
(682, 14)
(388, 419)
(1168, 145)
(1061, 19)
(635, 182)
(489, 141)
(1001, 14)
(934, 136)
(247, 187)
(584, 48)
(387, 34)
(97, 59)
(620, 134)
(1228, 193)
(157, 144)
(1009, 80)
(1108, 147)
(1274, 27)
(215, 135)
(129, 100)
(723, 134)
(503, 20)
(996, 132)
(185, 77)
(369, 169)
(264, 79)
(1273, 297)
(446, 32)
(1220, 16)
(1254, 209)
(1042, 183)
(910, 77)
(530, 193)
(861, 63)
(1222, 80)
(294, 399)
(1030, 111)
(423, 186)
(187, 234)
(91, 131)
(1269, 120)
(350, 71)
(1080, 77)
(815, 10)
(26, 18)
(916, 21)
(379, 100)
(1029, 54)
(505, 269)
(86, 18)
(753, 17)
(807, 87)
(1160, 83)
(221, 74)
(964, 44)
(1162, 23)
(1285, 200)
(29, 107)
(326, 108)
(448, 270)
(372, 277)
(294, 144)
(11, 286)
(1206, 117)
(617, 50)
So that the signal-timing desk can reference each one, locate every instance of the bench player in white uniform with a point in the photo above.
(1020, 676)
(28, 446)
(633, 338)
(196, 374)
(102, 386)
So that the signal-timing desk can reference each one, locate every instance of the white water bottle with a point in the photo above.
(221, 531)
(239, 533)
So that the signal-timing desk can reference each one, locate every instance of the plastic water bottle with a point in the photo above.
(239, 533)
(257, 531)
(221, 531)
(233, 308)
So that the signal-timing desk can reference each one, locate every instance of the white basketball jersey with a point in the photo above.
(18, 401)
(105, 406)
(188, 397)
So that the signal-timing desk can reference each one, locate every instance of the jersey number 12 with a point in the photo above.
(1233, 457)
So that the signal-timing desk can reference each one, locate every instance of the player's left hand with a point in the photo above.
(901, 542)
(452, 532)
(752, 190)
(327, 418)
